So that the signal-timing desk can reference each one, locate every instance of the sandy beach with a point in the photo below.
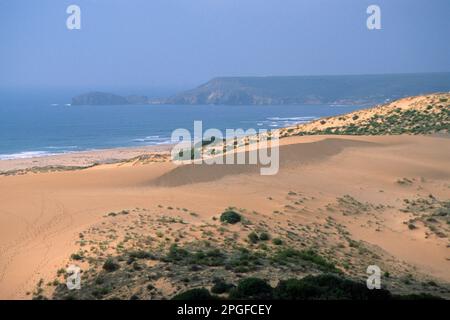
(81, 159)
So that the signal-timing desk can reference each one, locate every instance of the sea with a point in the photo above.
(45, 124)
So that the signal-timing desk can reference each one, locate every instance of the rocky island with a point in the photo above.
(103, 98)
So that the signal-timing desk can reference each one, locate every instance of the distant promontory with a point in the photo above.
(291, 90)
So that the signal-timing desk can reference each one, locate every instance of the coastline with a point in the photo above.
(81, 159)
(365, 118)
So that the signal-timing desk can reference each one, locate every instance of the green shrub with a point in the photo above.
(264, 236)
(411, 226)
(310, 255)
(252, 288)
(210, 257)
(140, 254)
(77, 256)
(327, 287)
(100, 292)
(290, 289)
(253, 237)
(220, 286)
(442, 212)
(110, 265)
(243, 261)
(213, 257)
(293, 256)
(277, 241)
(431, 283)
(230, 216)
(176, 253)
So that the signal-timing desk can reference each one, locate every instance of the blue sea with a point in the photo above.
(40, 127)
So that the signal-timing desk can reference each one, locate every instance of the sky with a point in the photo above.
(183, 43)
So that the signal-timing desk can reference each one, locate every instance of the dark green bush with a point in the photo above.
(264, 236)
(212, 257)
(243, 260)
(252, 288)
(290, 289)
(140, 254)
(442, 212)
(230, 216)
(220, 286)
(411, 226)
(100, 292)
(76, 256)
(277, 241)
(253, 237)
(110, 265)
(176, 253)
(327, 287)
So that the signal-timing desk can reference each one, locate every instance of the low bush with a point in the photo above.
(176, 253)
(140, 254)
(411, 226)
(220, 286)
(243, 260)
(293, 256)
(252, 288)
(327, 287)
(230, 216)
(110, 265)
(253, 237)
(210, 257)
(277, 241)
(77, 256)
(264, 236)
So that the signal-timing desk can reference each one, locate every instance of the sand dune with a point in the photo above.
(41, 214)
(294, 154)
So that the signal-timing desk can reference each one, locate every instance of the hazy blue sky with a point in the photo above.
(158, 43)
